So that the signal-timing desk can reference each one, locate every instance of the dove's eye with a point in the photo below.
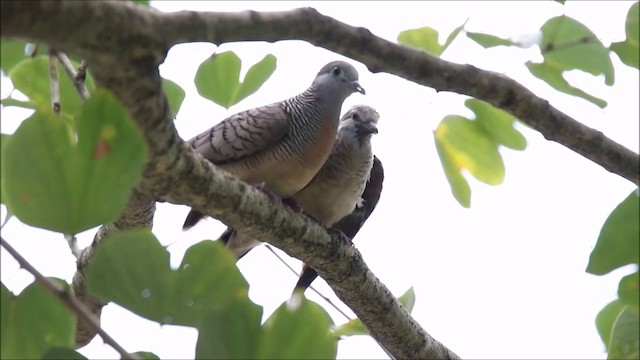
(355, 116)
(336, 71)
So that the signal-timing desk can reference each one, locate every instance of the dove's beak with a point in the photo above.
(368, 127)
(356, 87)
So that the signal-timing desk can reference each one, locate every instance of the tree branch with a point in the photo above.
(69, 300)
(124, 53)
(157, 31)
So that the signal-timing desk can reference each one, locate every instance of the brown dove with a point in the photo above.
(280, 146)
(337, 188)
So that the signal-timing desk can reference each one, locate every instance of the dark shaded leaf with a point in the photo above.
(61, 353)
(629, 291)
(618, 243)
(132, 269)
(57, 184)
(300, 333)
(232, 332)
(145, 355)
(36, 322)
(12, 52)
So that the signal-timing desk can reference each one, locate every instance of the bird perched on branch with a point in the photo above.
(280, 146)
(337, 188)
(351, 224)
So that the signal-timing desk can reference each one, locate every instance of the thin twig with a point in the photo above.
(82, 72)
(68, 299)
(324, 297)
(72, 241)
(310, 287)
(78, 81)
(54, 81)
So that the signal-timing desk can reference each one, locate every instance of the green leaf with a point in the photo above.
(629, 50)
(6, 301)
(18, 103)
(618, 243)
(553, 76)
(218, 78)
(256, 76)
(145, 355)
(175, 95)
(132, 269)
(300, 333)
(36, 322)
(629, 291)
(473, 145)
(497, 124)
(426, 38)
(232, 332)
(408, 299)
(11, 53)
(62, 353)
(144, 3)
(4, 139)
(618, 327)
(31, 77)
(459, 185)
(569, 45)
(57, 184)
(471, 149)
(487, 40)
(352, 327)
(560, 1)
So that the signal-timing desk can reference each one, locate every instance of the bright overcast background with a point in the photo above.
(503, 279)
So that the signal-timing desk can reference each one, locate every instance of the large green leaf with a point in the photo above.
(36, 322)
(487, 40)
(629, 50)
(569, 45)
(473, 145)
(6, 301)
(232, 332)
(59, 184)
(426, 38)
(218, 78)
(12, 52)
(31, 77)
(132, 269)
(4, 140)
(618, 326)
(300, 332)
(175, 95)
(629, 291)
(61, 353)
(619, 240)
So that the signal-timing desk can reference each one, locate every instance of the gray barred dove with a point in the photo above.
(351, 224)
(336, 189)
(282, 145)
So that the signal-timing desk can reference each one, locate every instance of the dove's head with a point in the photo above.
(338, 78)
(360, 121)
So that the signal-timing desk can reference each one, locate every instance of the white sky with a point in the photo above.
(504, 279)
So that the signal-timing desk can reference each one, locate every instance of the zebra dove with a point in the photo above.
(282, 145)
